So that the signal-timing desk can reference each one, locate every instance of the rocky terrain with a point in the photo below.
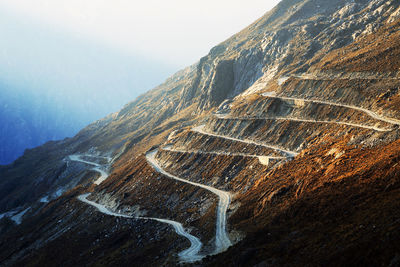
(280, 147)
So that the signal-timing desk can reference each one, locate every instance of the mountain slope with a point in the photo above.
(283, 115)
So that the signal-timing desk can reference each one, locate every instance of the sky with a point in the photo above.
(37, 57)
(175, 32)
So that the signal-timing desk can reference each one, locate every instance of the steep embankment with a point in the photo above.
(339, 207)
(190, 254)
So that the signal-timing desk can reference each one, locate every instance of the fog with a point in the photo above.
(53, 84)
(175, 31)
(38, 59)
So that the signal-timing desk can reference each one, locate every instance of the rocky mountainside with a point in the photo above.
(280, 147)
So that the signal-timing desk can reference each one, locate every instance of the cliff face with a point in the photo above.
(296, 116)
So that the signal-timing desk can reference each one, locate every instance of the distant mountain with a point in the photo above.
(29, 120)
(278, 148)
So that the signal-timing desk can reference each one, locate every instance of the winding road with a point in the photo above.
(262, 159)
(191, 254)
(188, 255)
(308, 76)
(97, 167)
(367, 111)
(222, 241)
(200, 129)
(227, 117)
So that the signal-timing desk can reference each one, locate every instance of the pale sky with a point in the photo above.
(175, 32)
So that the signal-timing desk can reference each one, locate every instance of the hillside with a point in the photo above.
(280, 147)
